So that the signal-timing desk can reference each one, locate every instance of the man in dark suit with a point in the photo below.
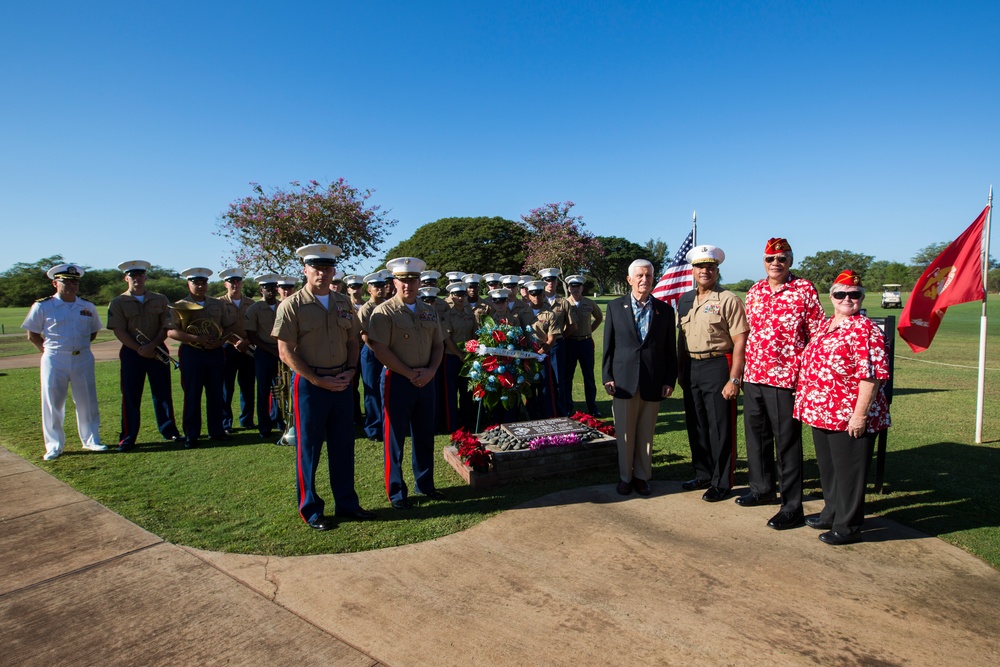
(639, 370)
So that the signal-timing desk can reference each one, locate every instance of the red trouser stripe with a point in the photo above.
(298, 443)
(386, 426)
(732, 431)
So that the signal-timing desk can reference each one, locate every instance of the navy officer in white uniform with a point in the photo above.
(62, 326)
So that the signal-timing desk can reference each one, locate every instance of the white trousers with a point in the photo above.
(59, 369)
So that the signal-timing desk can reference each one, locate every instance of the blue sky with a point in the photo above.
(130, 126)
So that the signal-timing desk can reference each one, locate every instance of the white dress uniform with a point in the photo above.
(67, 327)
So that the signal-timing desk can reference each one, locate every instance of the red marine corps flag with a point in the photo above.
(956, 276)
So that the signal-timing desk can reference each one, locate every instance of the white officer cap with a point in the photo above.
(472, 279)
(267, 279)
(525, 279)
(235, 272)
(354, 279)
(287, 281)
(136, 265)
(706, 254)
(454, 275)
(575, 280)
(429, 275)
(386, 274)
(319, 254)
(197, 272)
(501, 293)
(377, 277)
(406, 267)
(535, 285)
(457, 286)
(492, 277)
(428, 292)
(338, 275)
(510, 280)
(65, 272)
(549, 273)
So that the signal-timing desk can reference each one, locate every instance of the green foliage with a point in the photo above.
(558, 240)
(609, 266)
(823, 267)
(742, 286)
(882, 272)
(656, 252)
(473, 245)
(23, 283)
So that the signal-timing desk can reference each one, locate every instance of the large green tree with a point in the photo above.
(883, 272)
(609, 267)
(24, 283)
(558, 240)
(823, 267)
(473, 245)
(657, 250)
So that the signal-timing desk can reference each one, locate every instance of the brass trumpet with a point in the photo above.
(204, 327)
(235, 339)
(161, 352)
(281, 391)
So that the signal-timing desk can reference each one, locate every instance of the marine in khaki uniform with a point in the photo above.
(711, 343)
(239, 359)
(406, 336)
(201, 356)
(317, 331)
(430, 279)
(472, 281)
(560, 368)
(140, 315)
(371, 367)
(458, 326)
(580, 346)
(258, 322)
(547, 327)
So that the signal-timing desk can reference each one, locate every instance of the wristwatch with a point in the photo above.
(738, 382)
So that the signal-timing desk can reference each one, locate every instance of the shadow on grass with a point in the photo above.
(941, 488)
(909, 391)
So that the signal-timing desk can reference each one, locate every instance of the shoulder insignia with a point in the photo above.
(45, 298)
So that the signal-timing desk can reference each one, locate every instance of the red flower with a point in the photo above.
(471, 345)
(478, 392)
(490, 364)
(499, 336)
(506, 380)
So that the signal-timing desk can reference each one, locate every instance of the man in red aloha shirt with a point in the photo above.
(784, 313)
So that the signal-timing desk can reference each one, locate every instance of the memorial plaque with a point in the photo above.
(542, 427)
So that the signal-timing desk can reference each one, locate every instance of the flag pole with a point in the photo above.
(694, 228)
(981, 388)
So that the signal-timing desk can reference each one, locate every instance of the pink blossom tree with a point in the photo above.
(557, 240)
(265, 229)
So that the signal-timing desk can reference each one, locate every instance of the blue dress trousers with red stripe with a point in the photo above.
(407, 410)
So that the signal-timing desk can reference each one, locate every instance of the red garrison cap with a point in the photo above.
(848, 277)
(774, 246)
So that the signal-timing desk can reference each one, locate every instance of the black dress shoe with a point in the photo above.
(321, 523)
(403, 504)
(818, 523)
(358, 514)
(715, 494)
(190, 443)
(624, 488)
(126, 447)
(174, 438)
(838, 539)
(641, 487)
(753, 499)
(434, 494)
(696, 484)
(596, 413)
(786, 520)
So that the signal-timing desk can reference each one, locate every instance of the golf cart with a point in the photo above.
(890, 296)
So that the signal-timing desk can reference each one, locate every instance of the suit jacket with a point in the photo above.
(639, 367)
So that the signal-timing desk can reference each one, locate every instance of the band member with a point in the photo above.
(239, 358)
(546, 327)
(458, 326)
(202, 362)
(138, 319)
(62, 327)
(406, 337)
(560, 370)
(371, 367)
(317, 332)
(258, 324)
(580, 346)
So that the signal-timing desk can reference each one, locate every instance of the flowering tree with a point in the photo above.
(265, 229)
(556, 240)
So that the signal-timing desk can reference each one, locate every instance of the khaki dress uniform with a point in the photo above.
(704, 349)
(371, 377)
(458, 325)
(239, 368)
(580, 349)
(546, 321)
(259, 318)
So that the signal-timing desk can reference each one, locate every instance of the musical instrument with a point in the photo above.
(204, 327)
(235, 339)
(161, 352)
(281, 391)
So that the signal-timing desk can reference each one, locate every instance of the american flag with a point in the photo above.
(677, 278)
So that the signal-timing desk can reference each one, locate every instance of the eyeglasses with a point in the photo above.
(840, 296)
(499, 300)
(780, 259)
(234, 280)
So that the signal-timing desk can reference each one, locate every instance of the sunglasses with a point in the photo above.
(499, 300)
(780, 259)
(550, 279)
(536, 292)
(839, 296)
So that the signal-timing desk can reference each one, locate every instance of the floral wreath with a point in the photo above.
(502, 363)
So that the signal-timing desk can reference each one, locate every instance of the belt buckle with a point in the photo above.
(75, 352)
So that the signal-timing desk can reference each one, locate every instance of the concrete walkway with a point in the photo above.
(106, 351)
(580, 577)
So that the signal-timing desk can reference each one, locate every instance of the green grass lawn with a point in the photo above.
(239, 496)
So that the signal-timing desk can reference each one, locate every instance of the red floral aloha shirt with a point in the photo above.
(832, 368)
(781, 324)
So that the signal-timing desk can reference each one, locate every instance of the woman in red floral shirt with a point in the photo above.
(840, 395)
